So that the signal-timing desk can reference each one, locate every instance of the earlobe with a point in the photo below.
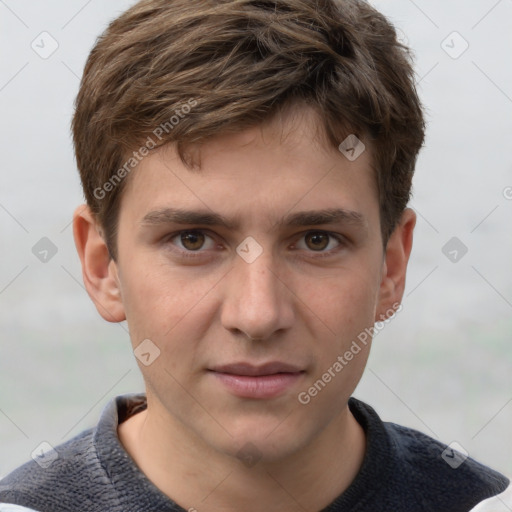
(99, 271)
(394, 266)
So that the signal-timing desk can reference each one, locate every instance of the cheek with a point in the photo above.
(343, 311)
(344, 301)
(161, 301)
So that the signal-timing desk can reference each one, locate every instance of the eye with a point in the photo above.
(195, 243)
(192, 241)
(320, 241)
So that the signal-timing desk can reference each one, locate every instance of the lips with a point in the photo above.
(257, 371)
(264, 381)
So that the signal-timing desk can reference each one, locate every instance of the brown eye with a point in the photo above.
(192, 244)
(317, 241)
(192, 240)
(320, 244)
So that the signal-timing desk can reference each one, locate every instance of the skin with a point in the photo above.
(288, 305)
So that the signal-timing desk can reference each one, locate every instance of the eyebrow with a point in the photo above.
(303, 218)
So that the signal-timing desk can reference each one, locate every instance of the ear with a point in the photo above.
(99, 271)
(394, 268)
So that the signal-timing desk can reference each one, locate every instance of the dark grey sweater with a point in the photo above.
(403, 471)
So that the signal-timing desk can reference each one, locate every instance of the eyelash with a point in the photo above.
(199, 254)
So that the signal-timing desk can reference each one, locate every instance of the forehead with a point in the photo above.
(276, 167)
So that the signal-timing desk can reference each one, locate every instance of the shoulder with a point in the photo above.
(446, 470)
(418, 472)
(417, 449)
(92, 468)
(50, 475)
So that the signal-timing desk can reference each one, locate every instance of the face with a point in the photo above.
(251, 277)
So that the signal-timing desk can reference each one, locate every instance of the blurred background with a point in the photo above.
(442, 366)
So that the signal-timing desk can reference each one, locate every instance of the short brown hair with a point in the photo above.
(218, 66)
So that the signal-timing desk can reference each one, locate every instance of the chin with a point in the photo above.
(262, 442)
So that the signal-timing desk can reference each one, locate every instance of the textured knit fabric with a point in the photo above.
(403, 471)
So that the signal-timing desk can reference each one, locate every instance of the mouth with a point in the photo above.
(265, 381)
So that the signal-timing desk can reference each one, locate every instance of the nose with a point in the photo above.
(258, 302)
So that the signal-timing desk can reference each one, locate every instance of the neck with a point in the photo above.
(198, 477)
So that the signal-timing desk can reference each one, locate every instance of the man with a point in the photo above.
(247, 167)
